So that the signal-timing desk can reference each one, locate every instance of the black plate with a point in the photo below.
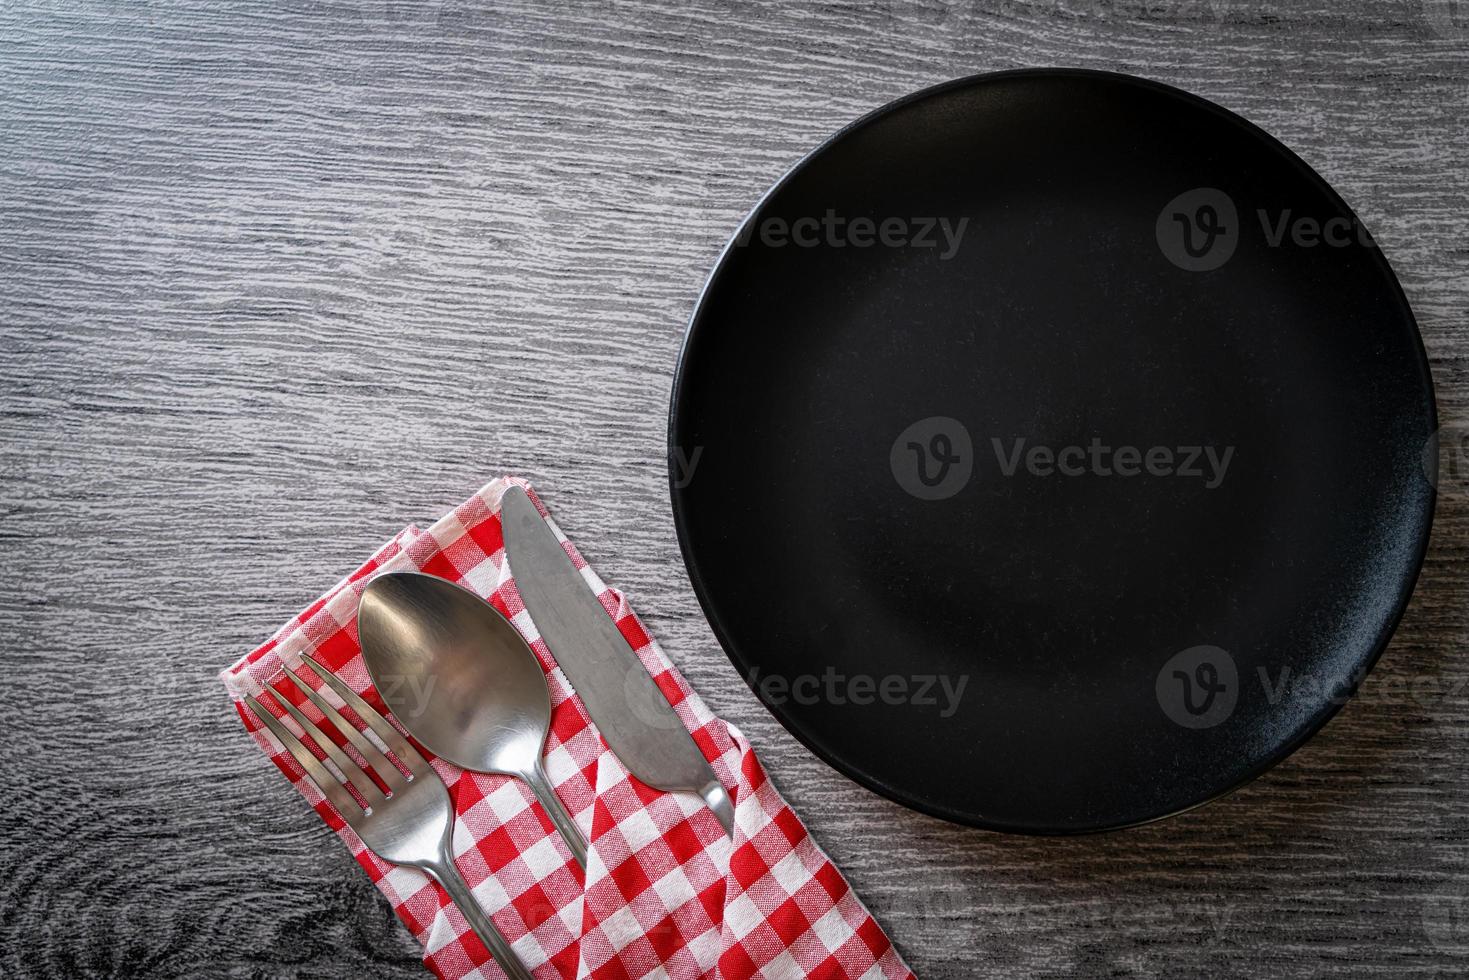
(1130, 645)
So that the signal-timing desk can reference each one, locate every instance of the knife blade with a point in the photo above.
(639, 724)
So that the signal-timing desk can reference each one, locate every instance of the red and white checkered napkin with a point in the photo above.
(665, 892)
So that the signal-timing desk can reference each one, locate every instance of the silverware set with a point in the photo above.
(463, 682)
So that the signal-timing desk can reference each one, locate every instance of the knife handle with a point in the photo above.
(716, 799)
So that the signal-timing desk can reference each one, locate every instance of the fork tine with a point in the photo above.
(396, 743)
(340, 759)
(380, 763)
(334, 791)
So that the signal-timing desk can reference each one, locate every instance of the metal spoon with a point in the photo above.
(462, 681)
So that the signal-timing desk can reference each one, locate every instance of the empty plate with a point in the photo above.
(1046, 451)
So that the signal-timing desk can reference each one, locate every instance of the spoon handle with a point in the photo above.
(540, 785)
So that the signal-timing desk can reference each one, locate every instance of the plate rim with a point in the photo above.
(679, 503)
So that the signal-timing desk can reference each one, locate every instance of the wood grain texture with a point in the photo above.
(277, 278)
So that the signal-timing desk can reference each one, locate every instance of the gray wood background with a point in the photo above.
(277, 278)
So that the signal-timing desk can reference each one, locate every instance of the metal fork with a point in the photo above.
(412, 824)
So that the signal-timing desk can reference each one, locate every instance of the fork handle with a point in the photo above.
(540, 785)
(446, 873)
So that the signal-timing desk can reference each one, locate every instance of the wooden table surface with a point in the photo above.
(277, 278)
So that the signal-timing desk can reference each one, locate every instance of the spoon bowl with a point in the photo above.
(463, 682)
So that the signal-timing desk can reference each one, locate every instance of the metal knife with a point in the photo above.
(636, 720)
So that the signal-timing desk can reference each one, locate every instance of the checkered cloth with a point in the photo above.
(665, 892)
